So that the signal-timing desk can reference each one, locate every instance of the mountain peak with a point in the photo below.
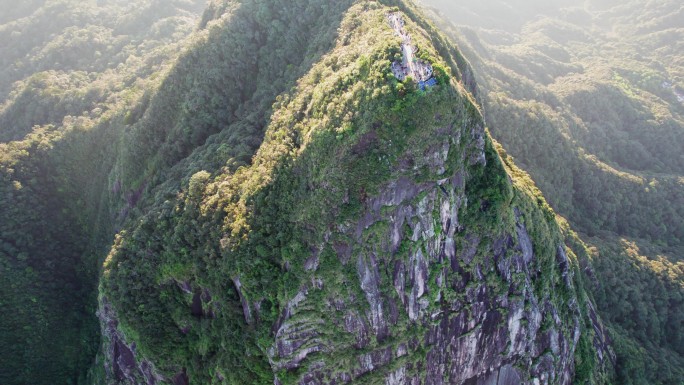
(373, 237)
(309, 195)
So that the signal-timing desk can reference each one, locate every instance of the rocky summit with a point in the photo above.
(375, 237)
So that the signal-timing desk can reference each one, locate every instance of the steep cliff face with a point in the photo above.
(376, 237)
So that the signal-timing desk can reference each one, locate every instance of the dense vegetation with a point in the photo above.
(332, 140)
(220, 147)
(100, 144)
(60, 118)
(586, 100)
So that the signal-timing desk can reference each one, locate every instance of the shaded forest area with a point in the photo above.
(71, 74)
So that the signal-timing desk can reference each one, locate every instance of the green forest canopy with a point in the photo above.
(584, 98)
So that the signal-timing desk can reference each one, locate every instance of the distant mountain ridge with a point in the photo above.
(582, 96)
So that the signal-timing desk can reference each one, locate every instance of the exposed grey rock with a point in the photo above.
(602, 340)
(487, 335)
(121, 362)
(525, 243)
(181, 378)
(402, 350)
(564, 266)
(369, 277)
(311, 263)
(399, 279)
(375, 359)
(246, 309)
(418, 276)
(508, 376)
(397, 377)
(353, 323)
(343, 251)
(470, 244)
(185, 286)
(435, 302)
(196, 306)
(477, 155)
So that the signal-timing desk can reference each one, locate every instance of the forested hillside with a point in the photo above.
(588, 99)
(242, 192)
(372, 236)
(71, 74)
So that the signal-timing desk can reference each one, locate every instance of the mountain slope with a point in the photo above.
(374, 237)
(585, 98)
(68, 58)
(55, 221)
(278, 208)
